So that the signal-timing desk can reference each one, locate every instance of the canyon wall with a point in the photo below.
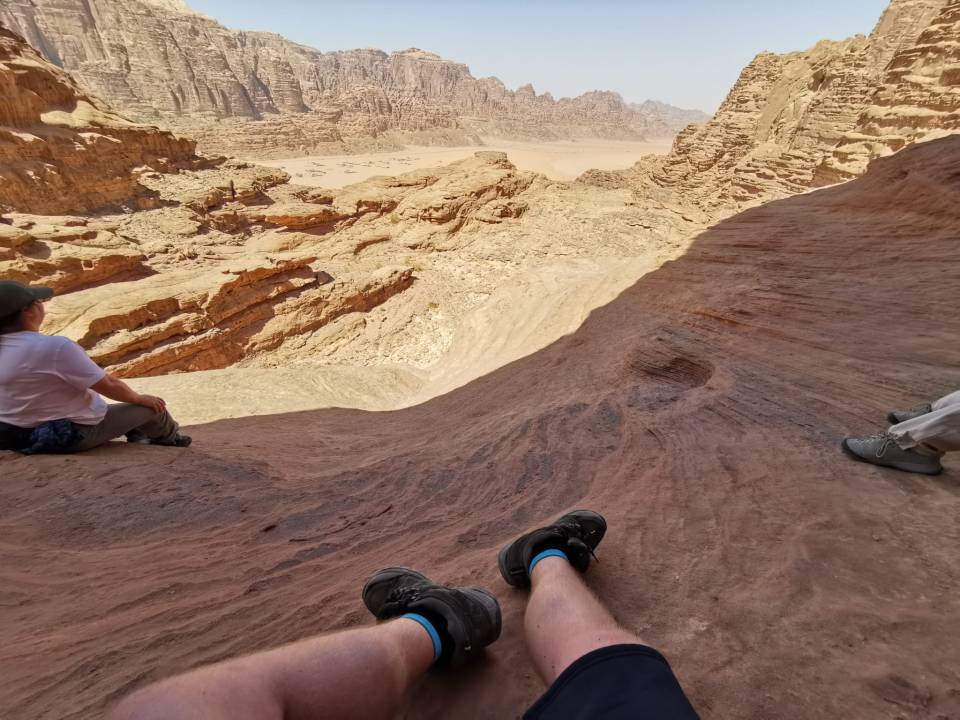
(803, 119)
(224, 263)
(918, 99)
(63, 151)
(161, 62)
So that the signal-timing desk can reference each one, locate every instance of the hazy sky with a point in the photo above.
(684, 52)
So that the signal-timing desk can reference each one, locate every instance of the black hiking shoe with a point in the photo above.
(577, 534)
(898, 416)
(467, 619)
(179, 441)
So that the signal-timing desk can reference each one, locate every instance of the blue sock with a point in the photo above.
(431, 631)
(552, 552)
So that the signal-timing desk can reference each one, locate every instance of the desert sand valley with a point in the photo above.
(407, 313)
(557, 160)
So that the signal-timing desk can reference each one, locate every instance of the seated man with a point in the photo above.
(596, 668)
(916, 440)
(49, 387)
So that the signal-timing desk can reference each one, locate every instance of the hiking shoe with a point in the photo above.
(883, 450)
(467, 619)
(137, 437)
(898, 416)
(577, 534)
(179, 441)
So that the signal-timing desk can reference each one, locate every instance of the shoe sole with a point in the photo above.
(850, 453)
(587, 517)
(389, 573)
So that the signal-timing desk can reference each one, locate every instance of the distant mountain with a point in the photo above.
(673, 119)
(159, 61)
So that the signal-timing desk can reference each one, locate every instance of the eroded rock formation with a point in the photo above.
(803, 119)
(918, 99)
(262, 95)
(238, 267)
(227, 263)
(62, 151)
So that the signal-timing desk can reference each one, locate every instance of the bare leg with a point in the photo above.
(564, 620)
(351, 674)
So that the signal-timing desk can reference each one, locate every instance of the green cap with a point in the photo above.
(15, 296)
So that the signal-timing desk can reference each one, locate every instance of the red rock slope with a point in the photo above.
(701, 412)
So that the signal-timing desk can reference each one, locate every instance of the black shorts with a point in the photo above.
(628, 682)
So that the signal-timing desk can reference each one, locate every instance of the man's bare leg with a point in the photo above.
(564, 620)
(594, 668)
(351, 674)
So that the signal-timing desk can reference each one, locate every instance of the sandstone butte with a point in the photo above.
(813, 587)
(256, 94)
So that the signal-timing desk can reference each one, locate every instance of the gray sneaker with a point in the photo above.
(898, 416)
(883, 450)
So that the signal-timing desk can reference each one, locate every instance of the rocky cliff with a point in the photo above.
(64, 151)
(918, 99)
(159, 61)
(777, 131)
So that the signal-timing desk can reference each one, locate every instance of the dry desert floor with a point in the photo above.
(562, 160)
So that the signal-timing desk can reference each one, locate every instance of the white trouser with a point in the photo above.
(938, 430)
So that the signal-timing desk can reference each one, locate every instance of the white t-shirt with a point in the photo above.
(47, 377)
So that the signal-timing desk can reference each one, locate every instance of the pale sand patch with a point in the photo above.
(563, 160)
(519, 319)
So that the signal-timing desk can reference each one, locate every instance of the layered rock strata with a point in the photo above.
(266, 96)
(918, 99)
(785, 116)
(62, 151)
(227, 263)
(235, 268)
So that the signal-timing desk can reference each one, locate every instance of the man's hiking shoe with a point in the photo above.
(577, 534)
(384, 592)
(883, 450)
(467, 619)
(898, 416)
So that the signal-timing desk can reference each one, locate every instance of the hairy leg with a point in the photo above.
(564, 620)
(350, 674)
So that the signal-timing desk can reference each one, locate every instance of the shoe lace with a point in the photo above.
(886, 440)
(400, 598)
(574, 535)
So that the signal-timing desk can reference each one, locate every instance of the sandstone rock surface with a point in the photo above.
(918, 99)
(701, 411)
(804, 119)
(260, 95)
(62, 151)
